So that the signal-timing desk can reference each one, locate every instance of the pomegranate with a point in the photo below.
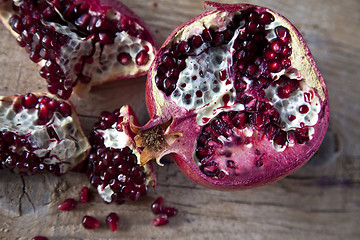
(80, 43)
(113, 164)
(40, 132)
(235, 97)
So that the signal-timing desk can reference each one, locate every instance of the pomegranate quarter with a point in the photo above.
(80, 43)
(40, 133)
(236, 99)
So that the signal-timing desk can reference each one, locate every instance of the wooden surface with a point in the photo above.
(320, 201)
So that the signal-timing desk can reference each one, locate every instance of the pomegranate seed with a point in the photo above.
(142, 58)
(275, 46)
(283, 34)
(269, 54)
(39, 238)
(68, 205)
(84, 195)
(169, 211)
(161, 220)
(29, 101)
(292, 117)
(112, 219)
(124, 58)
(65, 109)
(266, 18)
(197, 41)
(156, 207)
(90, 222)
(303, 109)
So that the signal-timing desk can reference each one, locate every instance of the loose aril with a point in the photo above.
(160, 220)
(90, 222)
(84, 195)
(68, 205)
(112, 220)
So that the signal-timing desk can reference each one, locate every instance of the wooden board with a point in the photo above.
(320, 201)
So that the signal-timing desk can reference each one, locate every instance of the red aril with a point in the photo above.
(84, 195)
(40, 132)
(80, 43)
(236, 99)
(112, 220)
(68, 205)
(90, 222)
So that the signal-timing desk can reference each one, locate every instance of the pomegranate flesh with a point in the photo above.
(40, 132)
(113, 165)
(235, 97)
(80, 43)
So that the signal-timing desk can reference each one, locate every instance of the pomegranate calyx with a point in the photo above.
(154, 141)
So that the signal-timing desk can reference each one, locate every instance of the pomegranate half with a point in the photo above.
(80, 43)
(235, 97)
(40, 133)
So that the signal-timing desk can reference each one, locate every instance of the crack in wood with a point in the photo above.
(24, 194)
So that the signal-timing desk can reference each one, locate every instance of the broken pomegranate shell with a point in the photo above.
(113, 164)
(80, 43)
(236, 99)
(40, 132)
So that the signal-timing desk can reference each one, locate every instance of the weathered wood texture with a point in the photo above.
(320, 201)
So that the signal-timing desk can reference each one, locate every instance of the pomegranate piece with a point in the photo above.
(68, 205)
(84, 195)
(112, 220)
(161, 220)
(90, 222)
(40, 132)
(235, 97)
(80, 43)
(113, 166)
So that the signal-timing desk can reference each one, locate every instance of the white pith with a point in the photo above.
(65, 152)
(116, 139)
(105, 65)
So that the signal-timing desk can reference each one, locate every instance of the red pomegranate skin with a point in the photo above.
(260, 164)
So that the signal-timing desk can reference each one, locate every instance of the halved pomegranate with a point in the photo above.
(113, 165)
(80, 43)
(235, 98)
(38, 133)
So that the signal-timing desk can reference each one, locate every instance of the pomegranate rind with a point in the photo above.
(76, 134)
(114, 70)
(161, 109)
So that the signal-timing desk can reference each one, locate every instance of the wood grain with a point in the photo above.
(320, 201)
